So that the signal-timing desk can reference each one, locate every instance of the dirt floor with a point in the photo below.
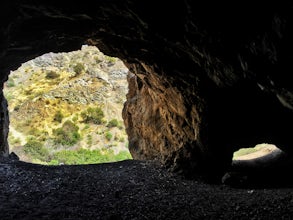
(129, 190)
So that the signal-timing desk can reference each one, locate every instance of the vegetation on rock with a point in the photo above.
(66, 108)
(93, 115)
(67, 135)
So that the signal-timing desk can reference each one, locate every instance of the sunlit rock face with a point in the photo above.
(208, 78)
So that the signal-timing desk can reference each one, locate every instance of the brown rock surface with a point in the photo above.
(159, 124)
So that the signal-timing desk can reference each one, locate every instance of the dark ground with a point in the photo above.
(129, 190)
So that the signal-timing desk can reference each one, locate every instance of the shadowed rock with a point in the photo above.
(270, 169)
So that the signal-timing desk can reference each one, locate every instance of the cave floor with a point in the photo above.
(129, 190)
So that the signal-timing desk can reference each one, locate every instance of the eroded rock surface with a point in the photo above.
(209, 78)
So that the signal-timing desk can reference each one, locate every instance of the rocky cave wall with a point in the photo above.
(206, 78)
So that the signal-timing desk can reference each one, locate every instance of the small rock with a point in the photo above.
(13, 156)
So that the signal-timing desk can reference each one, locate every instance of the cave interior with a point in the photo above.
(205, 81)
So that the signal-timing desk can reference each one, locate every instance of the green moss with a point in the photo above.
(13, 140)
(89, 140)
(244, 151)
(52, 75)
(58, 116)
(35, 132)
(123, 155)
(9, 96)
(78, 68)
(93, 115)
(10, 83)
(67, 135)
(110, 60)
(75, 118)
(112, 123)
(108, 135)
(97, 59)
(36, 150)
(85, 156)
(86, 127)
(121, 139)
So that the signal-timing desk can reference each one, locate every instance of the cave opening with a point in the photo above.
(257, 151)
(66, 108)
(260, 166)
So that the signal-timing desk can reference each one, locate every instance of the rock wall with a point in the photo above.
(160, 125)
(208, 78)
(4, 126)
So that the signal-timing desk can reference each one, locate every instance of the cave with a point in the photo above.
(204, 81)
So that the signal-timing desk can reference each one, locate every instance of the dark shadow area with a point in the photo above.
(268, 171)
(129, 189)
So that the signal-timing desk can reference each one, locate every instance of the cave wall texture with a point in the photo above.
(206, 78)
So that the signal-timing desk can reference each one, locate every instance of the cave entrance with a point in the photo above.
(259, 166)
(66, 108)
(257, 151)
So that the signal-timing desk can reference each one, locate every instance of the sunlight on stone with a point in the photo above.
(65, 108)
(254, 152)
